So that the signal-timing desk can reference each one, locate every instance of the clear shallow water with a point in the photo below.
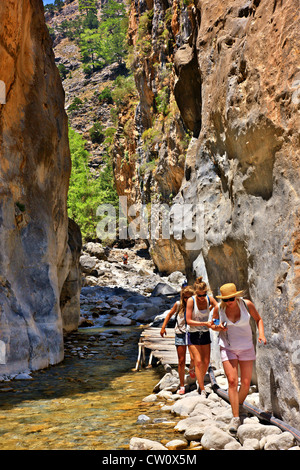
(83, 404)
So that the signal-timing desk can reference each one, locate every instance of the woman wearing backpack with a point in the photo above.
(180, 334)
(236, 344)
(197, 317)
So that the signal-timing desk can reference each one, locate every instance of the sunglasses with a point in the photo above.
(229, 300)
(201, 295)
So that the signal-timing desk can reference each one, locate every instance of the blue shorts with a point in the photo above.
(180, 339)
(199, 338)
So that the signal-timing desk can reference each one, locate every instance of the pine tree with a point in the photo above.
(88, 5)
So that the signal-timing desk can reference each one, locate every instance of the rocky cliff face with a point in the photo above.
(35, 256)
(236, 84)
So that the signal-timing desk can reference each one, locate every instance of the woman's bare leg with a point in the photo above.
(181, 353)
(231, 371)
(201, 357)
(246, 375)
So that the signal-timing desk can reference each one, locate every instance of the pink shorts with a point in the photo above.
(240, 355)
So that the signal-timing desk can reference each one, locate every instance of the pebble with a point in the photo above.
(23, 376)
(143, 419)
(176, 444)
(150, 398)
(137, 443)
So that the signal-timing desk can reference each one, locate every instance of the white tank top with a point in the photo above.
(239, 334)
(199, 315)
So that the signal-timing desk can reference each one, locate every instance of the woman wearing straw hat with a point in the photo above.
(236, 344)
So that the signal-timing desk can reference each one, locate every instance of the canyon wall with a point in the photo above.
(236, 83)
(36, 258)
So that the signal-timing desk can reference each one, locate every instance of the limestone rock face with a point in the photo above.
(34, 174)
(237, 88)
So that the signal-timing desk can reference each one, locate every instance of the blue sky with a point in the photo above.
(45, 2)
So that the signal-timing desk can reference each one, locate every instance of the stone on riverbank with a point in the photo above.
(137, 443)
(195, 432)
(169, 382)
(150, 398)
(142, 419)
(23, 376)
(256, 431)
(176, 444)
(215, 438)
(186, 406)
(120, 320)
(282, 441)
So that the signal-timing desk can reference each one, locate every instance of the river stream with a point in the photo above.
(89, 403)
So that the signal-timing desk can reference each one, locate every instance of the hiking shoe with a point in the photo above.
(202, 393)
(181, 391)
(234, 425)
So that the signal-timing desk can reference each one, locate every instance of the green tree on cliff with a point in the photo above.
(87, 5)
(86, 192)
(104, 42)
(113, 28)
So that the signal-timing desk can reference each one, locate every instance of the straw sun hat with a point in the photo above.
(228, 291)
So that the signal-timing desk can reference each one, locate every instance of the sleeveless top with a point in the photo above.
(180, 327)
(199, 315)
(239, 334)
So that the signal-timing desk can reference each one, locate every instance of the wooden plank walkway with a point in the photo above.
(163, 349)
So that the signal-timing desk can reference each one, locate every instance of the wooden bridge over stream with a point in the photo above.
(162, 349)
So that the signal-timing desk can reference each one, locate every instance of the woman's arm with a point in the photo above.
(167, 319)
(259, 321)
(215, 313)
(215, 316)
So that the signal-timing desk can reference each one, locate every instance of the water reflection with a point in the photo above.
(89, 404)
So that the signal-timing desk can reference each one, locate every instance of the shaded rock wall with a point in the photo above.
(34, 174)
(70, 278)
(242, 171)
